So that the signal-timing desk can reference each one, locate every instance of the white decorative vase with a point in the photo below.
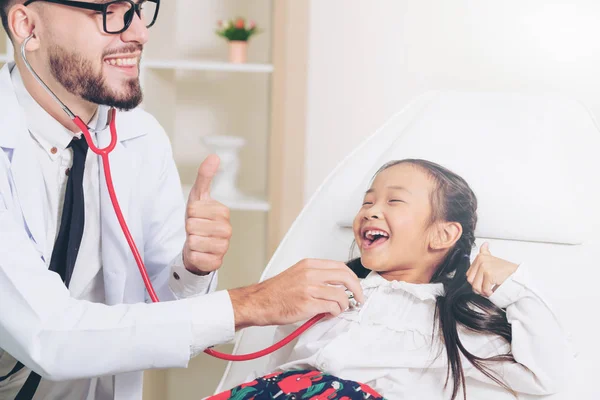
(224, 185)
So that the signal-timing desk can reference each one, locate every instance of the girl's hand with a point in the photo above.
(487, 272)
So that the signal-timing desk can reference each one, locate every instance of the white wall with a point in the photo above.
(368, 59)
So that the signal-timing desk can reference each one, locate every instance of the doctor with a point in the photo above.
(75, 321)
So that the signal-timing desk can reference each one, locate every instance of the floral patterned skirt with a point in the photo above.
(296, 385)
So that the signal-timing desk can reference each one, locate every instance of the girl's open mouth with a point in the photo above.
(373, 238)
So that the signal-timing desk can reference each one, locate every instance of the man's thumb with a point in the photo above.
(206, 173)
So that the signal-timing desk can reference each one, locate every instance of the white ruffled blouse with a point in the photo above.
(390, 344)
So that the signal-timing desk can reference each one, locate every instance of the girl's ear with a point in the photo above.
(445, 235)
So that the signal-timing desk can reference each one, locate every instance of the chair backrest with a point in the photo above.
(530, 160)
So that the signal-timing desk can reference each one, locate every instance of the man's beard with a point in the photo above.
(77, 75)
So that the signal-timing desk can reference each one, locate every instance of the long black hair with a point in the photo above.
(452, 200)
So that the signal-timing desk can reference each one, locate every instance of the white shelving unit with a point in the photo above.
(167, 73)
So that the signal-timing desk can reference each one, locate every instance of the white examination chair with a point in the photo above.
(530, 160)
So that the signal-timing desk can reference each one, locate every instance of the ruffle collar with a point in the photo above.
(422, 291)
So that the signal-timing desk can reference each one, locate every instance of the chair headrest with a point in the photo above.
(528, 158)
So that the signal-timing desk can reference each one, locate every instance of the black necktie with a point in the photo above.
(67, 243)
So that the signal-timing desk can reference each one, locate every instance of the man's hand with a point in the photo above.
(206, 224)
(299, 293)
(487, 272)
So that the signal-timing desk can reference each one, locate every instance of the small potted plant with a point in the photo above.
(237, 32)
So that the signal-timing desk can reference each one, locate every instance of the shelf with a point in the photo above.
(246, 203)
(192, 65)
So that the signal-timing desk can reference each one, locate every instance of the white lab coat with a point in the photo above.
(41, 322)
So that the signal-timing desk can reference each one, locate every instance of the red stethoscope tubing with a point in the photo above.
(103, 153)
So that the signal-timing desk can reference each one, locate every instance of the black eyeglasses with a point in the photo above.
(117, 14)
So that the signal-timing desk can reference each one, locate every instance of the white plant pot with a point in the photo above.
(224, 186)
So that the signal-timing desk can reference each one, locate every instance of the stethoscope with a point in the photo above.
(103, 153)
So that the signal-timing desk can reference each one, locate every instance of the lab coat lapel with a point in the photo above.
(115, 252)
(27, 177)
(24, 167)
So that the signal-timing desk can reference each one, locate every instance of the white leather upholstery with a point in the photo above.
(530, 161)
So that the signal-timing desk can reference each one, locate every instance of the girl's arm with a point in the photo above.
(539, 343)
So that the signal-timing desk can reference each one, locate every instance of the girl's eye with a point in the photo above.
(367, 203)
(396, 201)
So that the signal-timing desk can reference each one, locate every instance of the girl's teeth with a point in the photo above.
(370, 234)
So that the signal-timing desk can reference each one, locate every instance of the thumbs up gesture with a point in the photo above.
(487, 272)
(206, 224)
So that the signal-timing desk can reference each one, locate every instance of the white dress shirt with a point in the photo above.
(391, 345)
(51, 141)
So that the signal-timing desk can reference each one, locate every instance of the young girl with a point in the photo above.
(434, 325)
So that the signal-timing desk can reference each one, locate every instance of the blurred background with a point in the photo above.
(321, 76)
